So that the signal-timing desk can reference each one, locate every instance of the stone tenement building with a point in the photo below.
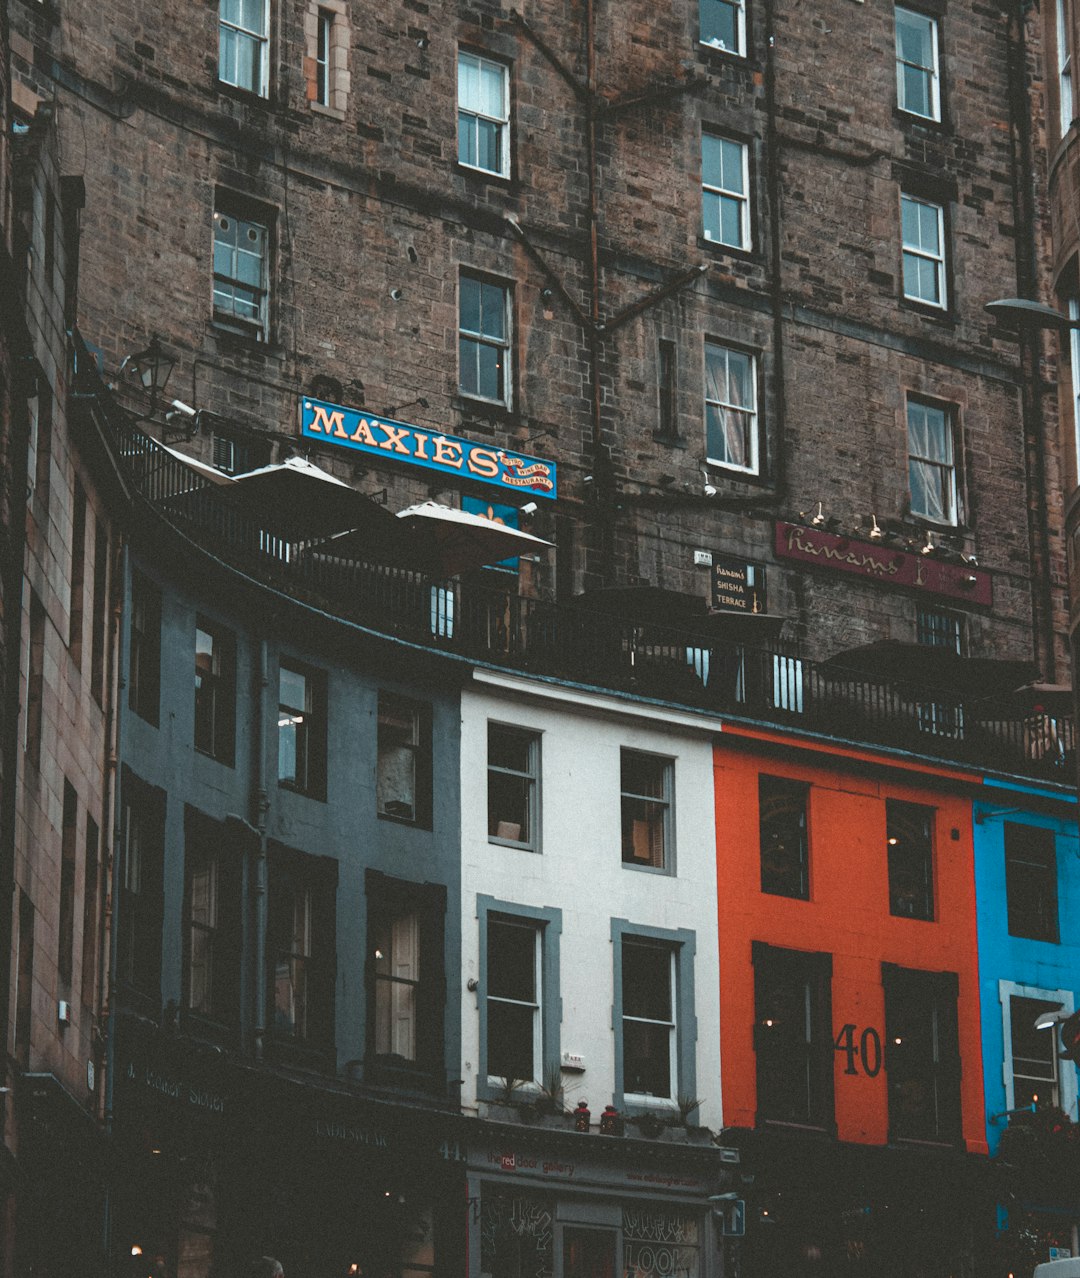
(725, 263)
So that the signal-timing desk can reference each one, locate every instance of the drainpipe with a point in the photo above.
(111, 860)
(1031, 391)
(261, 804)
(776, 288)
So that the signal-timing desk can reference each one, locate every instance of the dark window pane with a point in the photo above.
(510, 1040)
(782, 820)
(1031, 881)
(511, 958)
(647, 1058)
(646, 981)
(909, 838)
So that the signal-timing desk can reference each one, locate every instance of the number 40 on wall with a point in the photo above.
(867, 1051)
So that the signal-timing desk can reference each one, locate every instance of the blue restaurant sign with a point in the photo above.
(418, 446)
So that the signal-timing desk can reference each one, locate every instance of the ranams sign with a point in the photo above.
(418, 446)
(884, 563)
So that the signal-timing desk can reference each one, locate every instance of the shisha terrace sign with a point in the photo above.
(418, 446)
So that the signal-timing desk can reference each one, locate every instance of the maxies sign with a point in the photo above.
(418, 446)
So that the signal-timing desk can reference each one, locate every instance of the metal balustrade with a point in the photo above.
(773, 683)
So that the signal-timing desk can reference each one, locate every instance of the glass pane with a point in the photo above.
(292, 687)
(223, 257)
(249, 268)
(740, 381)
(590, 1253)
(492, 79)
(646, 981)
(227, 54)
(916, 91)
(511, 960)
(913, 38)
(643, 774)
(731, 159)
(510, 1030)
(711, 215)
(469, 305)
(253, 15)
(488, 146)
(493, 312)
(466, 138)
(508, 807)
(468, 82)
(489, 363)
(731, 222)
(249, 63)
(710, 159)
(230, 11)
(468, 372)
(912, 284)
(719, 24)
(909, 220)
(643, 832)
(646, 1058)
(286, 748)
(930, 228)
(508, 748)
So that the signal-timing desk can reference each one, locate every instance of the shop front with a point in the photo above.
(549, 1204)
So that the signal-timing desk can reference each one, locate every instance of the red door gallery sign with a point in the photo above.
(884, 564)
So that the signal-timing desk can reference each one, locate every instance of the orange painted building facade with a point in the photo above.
(846, 916)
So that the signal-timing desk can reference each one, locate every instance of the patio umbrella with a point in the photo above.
(298, 499)
(446, 540)
(200, 468)
(934, 667)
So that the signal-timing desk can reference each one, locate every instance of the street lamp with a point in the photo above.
(153, 367)
(1021, 310)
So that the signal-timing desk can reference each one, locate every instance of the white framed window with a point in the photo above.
(513, 782)
(483, 114)
(923, 233)
(1074, 368)
(649, 1026)
(484, 339)
(1030, 1056)
(731, 416)
(1066, 103)
(396, 954)
(917, 70)
(646, 787)
(722, 25)
(514, 992)
(932, 478)
(241, 269)
(725, 190)
(244, 45)
(324, 26)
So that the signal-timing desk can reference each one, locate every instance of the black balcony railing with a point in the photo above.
(771, 683)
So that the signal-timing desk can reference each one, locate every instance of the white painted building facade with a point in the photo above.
(589, 958)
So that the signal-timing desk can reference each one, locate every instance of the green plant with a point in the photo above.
(687, 1105)
(550, 1096)
(506, 1088)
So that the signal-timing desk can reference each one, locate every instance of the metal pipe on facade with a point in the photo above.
(772, 177)
(112, 860)
(261, 804)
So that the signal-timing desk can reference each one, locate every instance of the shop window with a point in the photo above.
(659, 1239)
(519, 994)
(782, 823)
(923, 233)
(909, 837)
(513, 781)
(484, 339)
(725, 183)
(517, 1232)
(932, 469)
(588, 1252)
(792, 1036)
(922, 1054)
(722, 25)
(647, 784)
(302, 729)
(917, 73)
(654, 1014)
(215, 691)
(241, 269)
(65, 945)
(405, 923)
(144, 649)
(244, 45)
(731, 416)
(403, 777)
(139, 917)
(1031, 881)
(483, 114)
(326, 67)
(212, 922)
(300, 947)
